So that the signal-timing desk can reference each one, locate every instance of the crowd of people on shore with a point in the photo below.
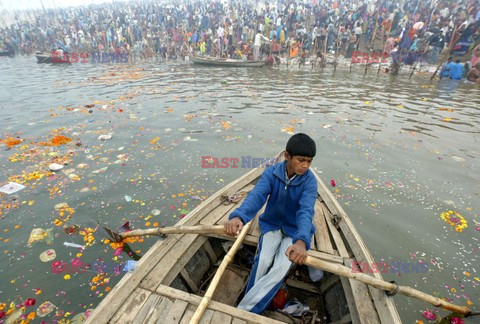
(408, 30)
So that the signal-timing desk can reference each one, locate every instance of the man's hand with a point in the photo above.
(233, 227)
(297, 252)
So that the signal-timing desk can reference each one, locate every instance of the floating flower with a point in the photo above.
(455, 220)
(2, 315)
(67, 277)
(332, 182)
(11, 142)
(56, 141)
(31, 316)
(2, 306)
(76, 262)
(456, 320)
(29, 302)
(428, 314)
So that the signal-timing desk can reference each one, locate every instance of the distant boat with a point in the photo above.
(46, 57)
(43, 57)
(7, 53)
(225, 62)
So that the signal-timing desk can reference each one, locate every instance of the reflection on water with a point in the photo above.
(400, 151)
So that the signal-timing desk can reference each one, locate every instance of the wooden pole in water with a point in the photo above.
(337, 52)
(384, 49)
(428, 43)
(419, 62)
(218, 275)
(343, 271)
(447, 54)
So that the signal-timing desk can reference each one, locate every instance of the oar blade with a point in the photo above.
(114, 236)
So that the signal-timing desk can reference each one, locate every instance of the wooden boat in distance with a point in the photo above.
(46, 57)
(169, 281)
(43, 57)
(206, 60)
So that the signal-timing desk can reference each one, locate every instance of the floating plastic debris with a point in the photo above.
(11, 188)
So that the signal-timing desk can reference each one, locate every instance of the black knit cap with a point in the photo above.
(302, 145)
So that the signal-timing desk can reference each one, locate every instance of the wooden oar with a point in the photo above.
(197, 229)
(218, 275)
(387, 286)
(311, 261)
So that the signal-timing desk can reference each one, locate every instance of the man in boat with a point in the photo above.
(259, 39)
(286, 225)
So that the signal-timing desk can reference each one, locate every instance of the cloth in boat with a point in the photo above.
(269, 269)
(290, 205)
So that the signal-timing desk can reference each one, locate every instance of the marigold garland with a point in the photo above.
(56, 141)
(11, 142)
(455, 220)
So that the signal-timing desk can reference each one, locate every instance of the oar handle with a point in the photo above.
(387, 286)
(218, 275)
(197, 229)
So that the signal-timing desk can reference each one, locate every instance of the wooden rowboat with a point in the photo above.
(225, 62)
(169, 281)
(46, 57)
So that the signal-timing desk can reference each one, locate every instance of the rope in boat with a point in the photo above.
(233, 198)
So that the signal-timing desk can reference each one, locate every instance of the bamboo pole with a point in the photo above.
(218, 275)
(447, 54)
(183, 229)
(384, 49)
(383, 285)
(419, 62)
(337, 53)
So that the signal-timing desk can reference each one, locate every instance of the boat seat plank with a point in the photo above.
(159, 311)
(322, 236)
(206, 317)
(176, 312)
(221, 318)
(131, 307)
(147, 308)
(187, 316)
(214, 305)
(238, 321)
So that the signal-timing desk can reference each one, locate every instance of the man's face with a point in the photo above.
(298, 164)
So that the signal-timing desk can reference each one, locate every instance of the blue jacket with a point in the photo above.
(456, 71)
(290, 206)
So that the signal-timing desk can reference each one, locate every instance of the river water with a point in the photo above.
(401, 152)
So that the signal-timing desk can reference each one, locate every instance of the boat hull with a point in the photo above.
(226, 62)
(175, 272)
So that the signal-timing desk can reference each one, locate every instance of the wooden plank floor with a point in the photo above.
(174, 306)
